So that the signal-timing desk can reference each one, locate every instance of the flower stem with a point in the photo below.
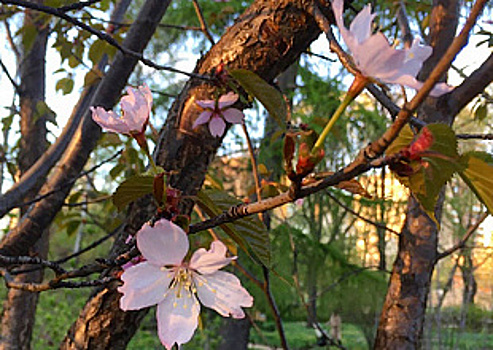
(151, 160)
(357, 86)
(142, 141)
(342, 107)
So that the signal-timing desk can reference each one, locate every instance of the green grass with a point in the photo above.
(299, 336)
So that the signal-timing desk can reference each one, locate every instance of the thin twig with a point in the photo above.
(78, 5)
(17, 88)
(253, 160)
(69, 183)
(273, 307)
(101, 35)
(475, 136)
(464, 239)
(371, 222)
(203, 25)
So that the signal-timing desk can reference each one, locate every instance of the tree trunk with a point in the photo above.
(19, 307)
(235, 335)
(401, 321)
(403, 314)
(266, 39)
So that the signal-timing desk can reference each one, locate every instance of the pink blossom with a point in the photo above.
(375, 58)
(174, 285)
(217, 111)
(136, 107)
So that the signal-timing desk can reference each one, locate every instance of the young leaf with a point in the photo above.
(132, 189)
(432, 160)
(66, 85)
(269, 96)
(478, 175)
(249, 233)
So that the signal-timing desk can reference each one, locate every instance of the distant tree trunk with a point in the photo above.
(470, 284)
(19, 307)
(235, 335)
(382, 262)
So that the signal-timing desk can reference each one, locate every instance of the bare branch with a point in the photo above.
(31, 179)
(101, 35)
(203, 25)
(464, 239)
(12, 81)
(78, 5)
(371, 222)
(472, 86)
(475, 136)
(403, 20)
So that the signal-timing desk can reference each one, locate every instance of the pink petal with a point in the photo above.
(378, 59)
(144, 285)
(163, 244)
(233, 115)
(217, 126)
(144, 89)
(203, 118)
(177, 317)
(350, 40)
(135, 109)
(361, 25)
(209, 261)
(222, 291)
(440, 89)
(227, 100)
(211, 104)
(109, 120)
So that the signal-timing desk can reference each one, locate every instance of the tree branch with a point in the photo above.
(31, 179)
(464, 239)
(40, 216)
(101, 35)
(472, 86)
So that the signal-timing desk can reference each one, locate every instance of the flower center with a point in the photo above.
(183, 282)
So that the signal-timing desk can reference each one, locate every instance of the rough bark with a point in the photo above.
(402, 317)
(266, 39)
(19, 307)
(403, 314)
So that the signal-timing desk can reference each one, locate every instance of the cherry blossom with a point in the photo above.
(217, 111)
(374, 56)
(174, 285)
(136, 107)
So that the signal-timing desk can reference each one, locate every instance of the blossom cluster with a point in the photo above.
(162, 276)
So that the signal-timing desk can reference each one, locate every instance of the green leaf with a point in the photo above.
(478, 175)
(96, 51)
(269, 96)
(43, 110)
(436, 165)
(249, 233)
(132, 189)
(66, 85)
(403, 140)
(73, 61)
